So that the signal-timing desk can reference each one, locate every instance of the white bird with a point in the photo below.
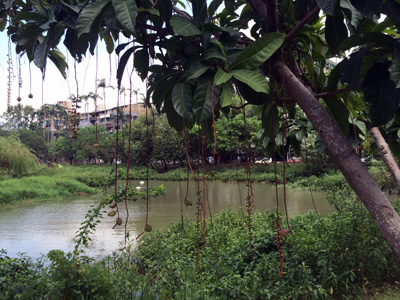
(142, 182)
(138, 187)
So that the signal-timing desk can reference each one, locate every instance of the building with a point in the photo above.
(108, 117)
(55, 116)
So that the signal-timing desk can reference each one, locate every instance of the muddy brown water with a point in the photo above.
(40, 227)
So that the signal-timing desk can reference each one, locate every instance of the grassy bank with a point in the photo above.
(299, 176)
(62, 181)
(39, 188)
(324, 263)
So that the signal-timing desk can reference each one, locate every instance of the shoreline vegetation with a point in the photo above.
(325, 260)
(64, 180)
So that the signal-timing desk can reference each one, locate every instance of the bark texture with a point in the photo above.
(386, 155)
(345, 157)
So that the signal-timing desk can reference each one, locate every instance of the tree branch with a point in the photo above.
(386, 156)
(336, 92)
(311, 14)
(181, 12)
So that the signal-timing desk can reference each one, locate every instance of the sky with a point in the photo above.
(55, 87)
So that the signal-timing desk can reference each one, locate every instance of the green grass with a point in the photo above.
(39, 188)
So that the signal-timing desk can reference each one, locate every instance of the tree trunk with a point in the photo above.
(345, 157)
(386, 155)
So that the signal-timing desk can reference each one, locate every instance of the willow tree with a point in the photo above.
(15, 157)
(203, 58)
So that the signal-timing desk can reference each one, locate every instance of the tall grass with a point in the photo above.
(40, 187)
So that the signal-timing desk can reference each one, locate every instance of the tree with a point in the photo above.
(21, 117)
(35, 142)
(231, 137)
(169, 143)
(203, 59)
(15, 157)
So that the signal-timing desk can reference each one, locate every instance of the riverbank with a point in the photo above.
(40, 188)
(63, 181)
(324, 262)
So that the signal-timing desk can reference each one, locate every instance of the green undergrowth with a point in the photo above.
(324, 262)
(40, 187)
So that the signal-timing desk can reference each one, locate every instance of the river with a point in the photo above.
(35, 228)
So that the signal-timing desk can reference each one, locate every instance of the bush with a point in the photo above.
(323, 263)
(63, 276)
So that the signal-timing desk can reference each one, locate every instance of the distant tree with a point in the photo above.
(231, 135)
(88, 148)
(35, 142)
(63, 149)
(19, 116)
(169, 143)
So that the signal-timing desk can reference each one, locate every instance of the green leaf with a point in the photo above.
(75, 8)
(152, 11)
(122, 63)
(327, 6)
(109, 43)
(337, 109)
(196, 70)
(394, 67)
(50, 19)
(126, 11)
(183, 26)
(351, 12)
(199, 11)
(88, 15)
(335, 32)
(40, 55)
(258, 52)
(350, 71)
(302, 8)
(391, 8)
(227, 95)
(205, 96)
(251, 95)
(381, 93)
(270, 120)
(174, 119)
(367, 38)
(141, 63)
(362, 128)
(221, 77)
(214, 52)
(59, 60)
(165, 10)
(162, 91)
(395, 148)
(368, 8)
(253, 79)
(182, 100)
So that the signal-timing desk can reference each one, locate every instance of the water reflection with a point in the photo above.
(38, 228)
